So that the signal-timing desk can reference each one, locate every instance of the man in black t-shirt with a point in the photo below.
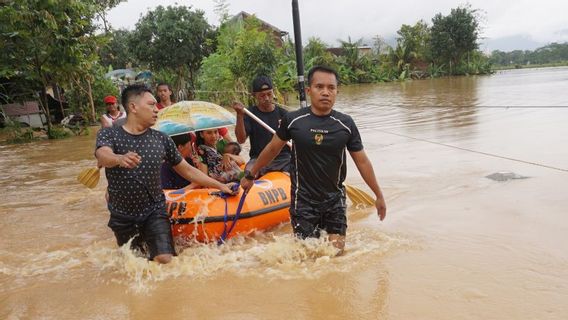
(318, 167)
(132, 155)
(270, 113)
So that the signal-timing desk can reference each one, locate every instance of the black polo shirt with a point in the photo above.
(258, 135)
(318, 156)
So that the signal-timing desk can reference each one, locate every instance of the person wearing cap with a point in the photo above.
(113, 113)
(270, 113)
(321, 139)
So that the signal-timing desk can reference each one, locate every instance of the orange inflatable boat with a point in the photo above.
(205, 215)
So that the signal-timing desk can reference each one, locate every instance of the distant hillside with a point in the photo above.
(511, 43)
(552, 53)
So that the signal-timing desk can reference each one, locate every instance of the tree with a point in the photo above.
(380, 45)
(174, 38)
(221, 10)
(46, 42)
(116, 52)
(415, 39)
(243, 52)
(454, 36)
(102, 7)
(401, 57)
(315, 53)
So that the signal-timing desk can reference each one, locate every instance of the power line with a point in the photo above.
(474, 151)
(472, 106)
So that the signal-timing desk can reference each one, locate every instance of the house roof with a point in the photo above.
(16, 109)
(244, 15)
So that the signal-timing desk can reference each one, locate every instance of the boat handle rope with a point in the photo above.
(226, 233)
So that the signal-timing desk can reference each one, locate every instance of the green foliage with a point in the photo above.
(476, 63)
(254, 53)
(315, 53)
(102, 6)
(435, 70)
(415, 39)
(243, 52)
(549, 54)
(116, 52)
(46, 41)
(78, 97)
(353, 66)
(453, 36)
(173, 38)
(17, 134)
(57, 132)
(401, 58)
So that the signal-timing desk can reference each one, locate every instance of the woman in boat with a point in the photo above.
(221, 167)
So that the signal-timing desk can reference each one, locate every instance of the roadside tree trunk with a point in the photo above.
(91, 101)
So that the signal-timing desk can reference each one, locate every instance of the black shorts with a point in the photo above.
(152, 233)
(309, 217)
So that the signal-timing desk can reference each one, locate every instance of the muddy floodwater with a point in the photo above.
(455, 244)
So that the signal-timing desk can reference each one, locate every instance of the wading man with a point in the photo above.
(270, 113)
(320, 137)
(133, 155)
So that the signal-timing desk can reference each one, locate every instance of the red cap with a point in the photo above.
(109, 99)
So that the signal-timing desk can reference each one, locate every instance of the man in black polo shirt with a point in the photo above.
(133, 155)
(270, 113)
(318, 167)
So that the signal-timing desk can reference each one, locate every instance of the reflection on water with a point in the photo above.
(454, 245)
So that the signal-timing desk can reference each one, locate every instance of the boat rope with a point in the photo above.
(474, 151)
(226, 232)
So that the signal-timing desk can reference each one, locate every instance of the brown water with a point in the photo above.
(455, 245)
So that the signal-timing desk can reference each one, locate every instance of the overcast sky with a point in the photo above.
(507, 24)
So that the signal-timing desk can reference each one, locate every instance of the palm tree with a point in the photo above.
(401, 58)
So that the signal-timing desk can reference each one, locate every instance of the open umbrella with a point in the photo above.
(188, 116)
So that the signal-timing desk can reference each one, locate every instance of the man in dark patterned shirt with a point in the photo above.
(132, 155)
(320, 135)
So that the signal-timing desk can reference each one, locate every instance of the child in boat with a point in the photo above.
(221, 167)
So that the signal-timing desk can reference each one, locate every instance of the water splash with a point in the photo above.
(268, 256)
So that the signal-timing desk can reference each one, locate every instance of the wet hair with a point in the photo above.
(132, 92)
(181, 139)
(172, 97)
(237, 150)
(322, 69)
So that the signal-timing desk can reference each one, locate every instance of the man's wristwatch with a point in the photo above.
(248, 175)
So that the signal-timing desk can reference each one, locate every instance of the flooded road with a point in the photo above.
(454, 245)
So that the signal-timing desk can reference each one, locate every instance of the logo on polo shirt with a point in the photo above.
(318, 137)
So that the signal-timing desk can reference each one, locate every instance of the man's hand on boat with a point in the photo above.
(246, 184)
(230, 188)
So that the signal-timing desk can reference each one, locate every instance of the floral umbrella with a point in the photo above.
(188, 116)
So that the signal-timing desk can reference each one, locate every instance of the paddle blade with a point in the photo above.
(358, 196)
(89, 177)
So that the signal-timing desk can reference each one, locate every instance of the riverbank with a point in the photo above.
(530, 66)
